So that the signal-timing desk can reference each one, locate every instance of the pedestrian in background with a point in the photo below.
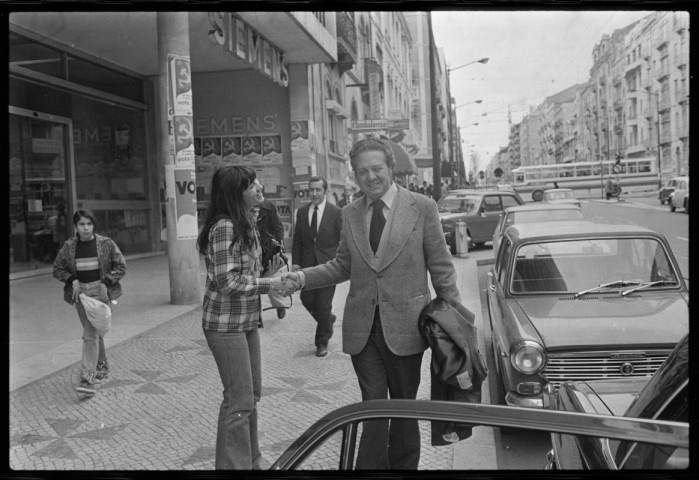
(316, 238)
(270, 228)
(390, 242)
(91, 264)
(608, 188)
(231, 309)
(346, 196)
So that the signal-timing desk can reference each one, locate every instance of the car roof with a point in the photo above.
(479, 191)
(542, 206)
(558, 189)
(524, 231)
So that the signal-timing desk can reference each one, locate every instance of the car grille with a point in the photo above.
(575, 366)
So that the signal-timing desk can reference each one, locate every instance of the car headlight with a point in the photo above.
(528, 357)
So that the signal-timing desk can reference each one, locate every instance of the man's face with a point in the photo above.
(348, 192)
(373, 174)
(317, 192)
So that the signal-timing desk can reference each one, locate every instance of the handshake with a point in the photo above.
(288, 282)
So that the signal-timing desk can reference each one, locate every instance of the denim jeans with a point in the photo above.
(385, 444)
(93, 342)
(237, 357)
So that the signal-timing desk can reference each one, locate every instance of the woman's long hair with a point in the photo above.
(227, 188)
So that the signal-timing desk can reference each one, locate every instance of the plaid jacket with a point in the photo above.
(111, 265)
(233, 287)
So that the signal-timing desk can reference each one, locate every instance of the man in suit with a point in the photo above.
(316, 237)
(270, 226)
(390, 240)
(346, 196)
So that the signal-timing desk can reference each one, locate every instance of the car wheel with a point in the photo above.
(452, 245)
(686, 206)
(537, 195)
(662, 201)
(672, 206)
(479, 244)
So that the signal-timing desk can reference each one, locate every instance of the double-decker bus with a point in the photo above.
(587, 178)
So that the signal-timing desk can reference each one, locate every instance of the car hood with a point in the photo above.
(657, 319)
(564, 201)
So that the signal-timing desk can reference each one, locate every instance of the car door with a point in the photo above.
(487, 219)
(497, 283)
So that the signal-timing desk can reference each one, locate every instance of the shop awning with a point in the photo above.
(404, 162)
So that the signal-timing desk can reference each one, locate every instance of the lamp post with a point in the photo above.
(482, 60)
(657, 131)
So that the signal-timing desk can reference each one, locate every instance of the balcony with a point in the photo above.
(680, 59)
(663, 72)
(336, 108)
(683, 131)
(665, 102)
(680, 22)
(660, 40)
(618, 104)
(665, 137)
(618, 129)
(602, 80)
(617, 80)
(346, 41)
(681, 95)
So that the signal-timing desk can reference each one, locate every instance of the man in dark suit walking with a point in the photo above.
(316, 238)
(391, 240)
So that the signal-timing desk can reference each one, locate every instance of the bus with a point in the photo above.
(587, 178)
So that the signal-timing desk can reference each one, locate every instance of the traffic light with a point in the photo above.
(619, 156)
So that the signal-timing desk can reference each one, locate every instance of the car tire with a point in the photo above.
(452, 245)
(686, 206)
(537, 195)
(478, 244)
(672, 206)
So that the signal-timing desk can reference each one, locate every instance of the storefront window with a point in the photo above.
(104, 79)
(28, 54)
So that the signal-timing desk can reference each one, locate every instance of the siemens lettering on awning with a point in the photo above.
(241, 40)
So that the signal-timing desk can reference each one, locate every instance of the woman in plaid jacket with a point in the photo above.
(91, 264)
(231, 309)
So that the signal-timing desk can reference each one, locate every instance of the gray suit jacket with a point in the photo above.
(395, 279)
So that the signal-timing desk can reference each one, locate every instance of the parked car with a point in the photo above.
(680, 197)
(560, 195)
(479, 209)
(582, 301)
(331, 443)
(666, 191)
(664, 396)
(534, 212)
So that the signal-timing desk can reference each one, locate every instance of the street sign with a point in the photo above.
(497, 172)
(359, 126)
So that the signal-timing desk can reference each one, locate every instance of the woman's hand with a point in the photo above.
(275, 264)
(76, 291)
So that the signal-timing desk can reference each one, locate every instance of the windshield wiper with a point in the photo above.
(616, 283)
(648, 284)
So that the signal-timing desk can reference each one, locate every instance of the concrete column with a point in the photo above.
(183, 258)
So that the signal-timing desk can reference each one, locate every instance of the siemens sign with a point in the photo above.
(238, 38)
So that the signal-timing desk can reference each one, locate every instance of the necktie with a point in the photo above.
(377, 223)
(314, 223)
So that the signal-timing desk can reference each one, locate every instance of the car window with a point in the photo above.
(580, 264)
(458, 203)
(548, 215)
(491, 203)
(509, 201)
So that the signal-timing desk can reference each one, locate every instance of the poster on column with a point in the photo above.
(180, 186)
(284, 211)
(180, 85)
(300, 146)
(184, 140)
(232, 151)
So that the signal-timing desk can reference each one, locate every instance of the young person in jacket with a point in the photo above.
(91, 264)
(270, 226)
(314, 244)
(390, 241)
(231, 310)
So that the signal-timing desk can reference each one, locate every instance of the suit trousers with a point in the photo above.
(385, 444)
(319, 303)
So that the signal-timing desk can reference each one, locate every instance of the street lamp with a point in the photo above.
(657, 130)
(482, 60)
(468, 103)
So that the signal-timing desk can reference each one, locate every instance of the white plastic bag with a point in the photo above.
(98, 313)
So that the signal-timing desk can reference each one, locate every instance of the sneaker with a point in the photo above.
(85, 386)
(281, 313)
(102, 371)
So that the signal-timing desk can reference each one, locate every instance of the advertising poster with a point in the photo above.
(269, 177)
(272, 149)
(252, 150)
(197, 150)
(300, 147)
(184, 140)
(211, 150)
(180, 185)
(232, 150)
(284, 210)
(180, 84)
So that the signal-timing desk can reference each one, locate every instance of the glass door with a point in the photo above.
(39, 199)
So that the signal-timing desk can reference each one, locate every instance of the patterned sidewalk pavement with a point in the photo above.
(159, 408)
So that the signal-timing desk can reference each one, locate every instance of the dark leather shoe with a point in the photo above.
(321, 351)
(281, 312)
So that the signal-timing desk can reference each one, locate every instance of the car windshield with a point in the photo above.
(458, 203)
(559, 195)
(592, 265)
(544, 216)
